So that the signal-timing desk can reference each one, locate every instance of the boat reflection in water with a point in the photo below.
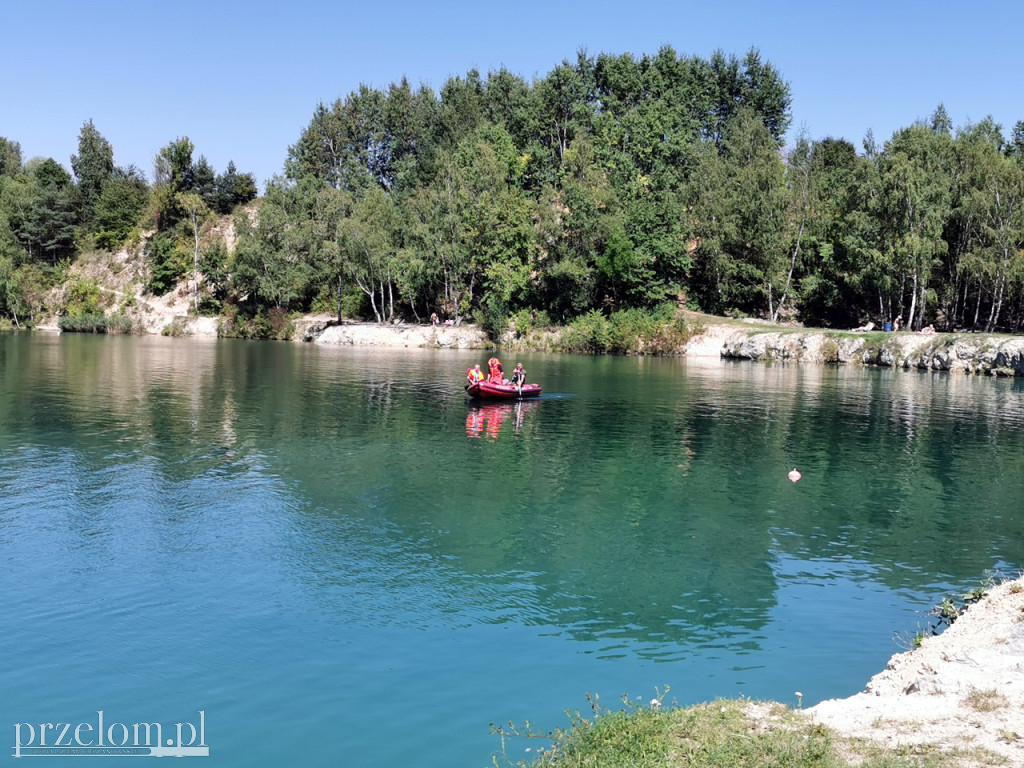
(487, 418)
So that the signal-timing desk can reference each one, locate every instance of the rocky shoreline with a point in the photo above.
(960, 352)
(400, 335)
(998, 355)
(962, 690)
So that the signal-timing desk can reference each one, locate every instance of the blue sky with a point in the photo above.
(242, 79)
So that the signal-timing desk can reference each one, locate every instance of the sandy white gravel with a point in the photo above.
(962, 689)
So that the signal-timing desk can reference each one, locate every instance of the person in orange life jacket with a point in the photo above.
(497, 374)
(474, 374)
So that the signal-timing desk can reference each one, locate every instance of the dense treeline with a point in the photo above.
(612, 184)
(496, 196)
(48, 216)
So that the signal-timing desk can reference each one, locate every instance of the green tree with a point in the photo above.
(990, 214)
(408, 122)
(173, 174)
(120, 206)
(740, 203)
(272, 258)
(1015, 147)
(10, 157)
(341, 146)
(204, 181)
(10, 295)
(47, 224)
(835, 281)
(751, 84)
(800, 221)
(434, 240)
(197, 213)
(566, 101)
(508, 101)
(462, 108)
(574, 221)
(331, 209)
(93, 165)
(370, 250)
(915, 203)
(232, 189)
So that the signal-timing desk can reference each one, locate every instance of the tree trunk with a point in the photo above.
(789, 276)
(370, 291)
(913, 301)
(339, 299)
(448, 289)
(920, 310)
(960, 308)
(195, 264)
(997, 305)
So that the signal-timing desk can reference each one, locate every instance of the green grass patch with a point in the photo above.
(720, 734)
(95, 322)
(869, 337)
(986, 701)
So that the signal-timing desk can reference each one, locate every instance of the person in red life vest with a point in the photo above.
(497, 375)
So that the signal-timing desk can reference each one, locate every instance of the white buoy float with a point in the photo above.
(794, 474)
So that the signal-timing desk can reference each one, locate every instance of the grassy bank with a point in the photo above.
(95, 322)
(733, 733)
(911, 732)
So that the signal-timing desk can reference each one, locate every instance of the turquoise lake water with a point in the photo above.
(341, 562)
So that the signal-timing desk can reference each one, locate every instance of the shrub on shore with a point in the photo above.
(95, 322)
(662, 331)
(275, 323)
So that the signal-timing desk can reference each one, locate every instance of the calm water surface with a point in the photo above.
(343, 563)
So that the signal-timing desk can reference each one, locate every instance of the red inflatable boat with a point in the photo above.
(487, 390)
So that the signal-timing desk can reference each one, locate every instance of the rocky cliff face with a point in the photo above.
(965, 353)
